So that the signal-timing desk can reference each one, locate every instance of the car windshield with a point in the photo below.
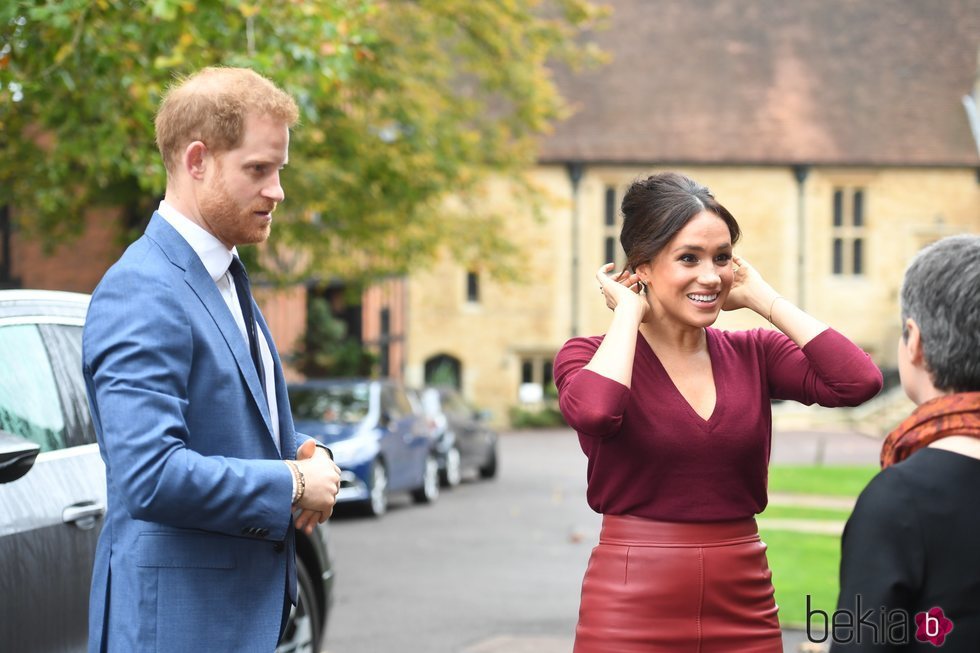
(340, 404)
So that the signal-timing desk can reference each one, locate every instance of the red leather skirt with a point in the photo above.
(663, 587)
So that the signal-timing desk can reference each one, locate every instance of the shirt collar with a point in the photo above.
(212, 252)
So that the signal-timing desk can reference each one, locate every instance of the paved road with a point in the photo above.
(492, 566)
(495, 566)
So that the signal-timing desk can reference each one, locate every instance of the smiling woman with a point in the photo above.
(674, 418)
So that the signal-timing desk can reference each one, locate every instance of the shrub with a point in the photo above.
(529, 418)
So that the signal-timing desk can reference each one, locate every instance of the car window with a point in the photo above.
(395, 403)
(431, 402)
(64, 345)
(345, 404)
(389, 405)
(455, 405)
(30, 405)
(404, 405)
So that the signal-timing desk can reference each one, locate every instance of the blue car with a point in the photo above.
(379, 442)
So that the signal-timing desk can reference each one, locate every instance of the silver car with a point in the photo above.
(52, 487)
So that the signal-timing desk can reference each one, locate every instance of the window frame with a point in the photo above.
(848, 231)
(612, 224)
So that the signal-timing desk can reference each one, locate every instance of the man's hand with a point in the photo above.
(322, 484)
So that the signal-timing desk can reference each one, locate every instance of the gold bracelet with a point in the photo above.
(299, 479)
(772, 305)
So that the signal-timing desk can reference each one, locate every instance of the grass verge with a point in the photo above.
(844, 481)
(805, 564)
(798, 512)
(802, 564)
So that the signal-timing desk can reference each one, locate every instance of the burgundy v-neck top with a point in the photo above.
(651, 455)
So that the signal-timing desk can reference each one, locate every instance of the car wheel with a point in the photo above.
(377, 504)
(303, 626)
(489, 469)
(429, 491)
(452, 474)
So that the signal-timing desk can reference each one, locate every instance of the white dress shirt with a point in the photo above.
(216, 259)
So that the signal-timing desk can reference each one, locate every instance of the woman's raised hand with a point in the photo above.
(622, 291)
(749, 289)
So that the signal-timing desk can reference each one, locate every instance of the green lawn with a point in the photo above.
(831, 481)
(804, 563)
(795, 512)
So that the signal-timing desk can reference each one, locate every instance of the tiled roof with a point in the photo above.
(848, 82)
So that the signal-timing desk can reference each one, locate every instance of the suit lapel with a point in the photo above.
(287, 431)
(202, 285)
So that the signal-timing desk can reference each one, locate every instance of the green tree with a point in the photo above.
(403, 104)
(326, 349)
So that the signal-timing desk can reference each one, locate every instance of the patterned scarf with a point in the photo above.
(955, 414)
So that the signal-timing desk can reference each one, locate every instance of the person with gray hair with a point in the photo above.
(909, 576)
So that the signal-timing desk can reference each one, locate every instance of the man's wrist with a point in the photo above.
(299, 481)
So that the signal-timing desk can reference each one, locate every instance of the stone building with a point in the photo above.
(843, 135)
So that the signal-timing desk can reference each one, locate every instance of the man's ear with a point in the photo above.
(914, 343)
(196, 159)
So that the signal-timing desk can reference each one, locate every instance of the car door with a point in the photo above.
(404, 464)
(460, 418)
(51, 517)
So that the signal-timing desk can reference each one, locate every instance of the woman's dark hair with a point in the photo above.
(656, 208)
(939, 293)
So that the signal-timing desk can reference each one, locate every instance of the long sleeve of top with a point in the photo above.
(911, 545)
(651, 455)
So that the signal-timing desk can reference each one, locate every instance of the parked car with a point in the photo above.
(379, 442)
(53, 493)
(464, 441)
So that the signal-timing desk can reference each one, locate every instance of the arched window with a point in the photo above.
(443, 369)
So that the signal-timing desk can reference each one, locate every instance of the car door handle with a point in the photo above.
(83, 515)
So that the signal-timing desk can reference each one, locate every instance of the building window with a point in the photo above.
(848, 233)
(610, 206)
(838, 256)
(611, 250)
(472, 287)
(537, 379)
(527, 371)
(445, 370)
(858, 212)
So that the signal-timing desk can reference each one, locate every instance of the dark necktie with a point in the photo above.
(244, 292)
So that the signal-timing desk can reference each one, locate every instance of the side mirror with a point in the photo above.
(482, 415)
(17, 456)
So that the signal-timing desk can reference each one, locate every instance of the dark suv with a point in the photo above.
(52, 487)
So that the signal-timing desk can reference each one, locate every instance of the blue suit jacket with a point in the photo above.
(197, 551)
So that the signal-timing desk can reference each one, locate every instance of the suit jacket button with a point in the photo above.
(278, 547)
(263, 532)
(246, 531)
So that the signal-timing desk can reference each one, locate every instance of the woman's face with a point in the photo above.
(689, 279)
